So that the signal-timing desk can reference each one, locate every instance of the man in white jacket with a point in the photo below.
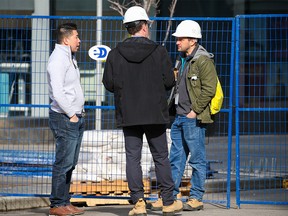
(66, 116)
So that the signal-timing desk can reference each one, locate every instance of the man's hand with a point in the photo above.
(192, 114)
(176, 73)
(74, 118)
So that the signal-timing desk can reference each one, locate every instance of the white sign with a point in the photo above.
(99, 52)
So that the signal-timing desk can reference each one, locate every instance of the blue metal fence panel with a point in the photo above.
(261, 109)
(252, 162)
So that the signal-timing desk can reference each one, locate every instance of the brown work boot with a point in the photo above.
(139, 209)
(175, 207)
(75, 210)
(60, 211)
(193, 205)
(155, 206)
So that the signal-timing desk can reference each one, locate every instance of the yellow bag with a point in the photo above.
(217, 100)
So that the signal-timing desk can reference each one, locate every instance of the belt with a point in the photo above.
(180, 115)
(82, 115)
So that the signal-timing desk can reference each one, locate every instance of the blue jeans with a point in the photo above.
(188, 136)
(68, 137)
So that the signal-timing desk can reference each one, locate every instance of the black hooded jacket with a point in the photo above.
(139, 73)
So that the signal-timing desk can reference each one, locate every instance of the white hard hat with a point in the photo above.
(135, 13)
(188, 28)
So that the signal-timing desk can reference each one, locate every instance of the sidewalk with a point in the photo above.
(122, 210)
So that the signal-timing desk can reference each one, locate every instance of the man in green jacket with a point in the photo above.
(196, 86)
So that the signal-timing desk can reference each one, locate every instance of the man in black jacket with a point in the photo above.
(139, 72)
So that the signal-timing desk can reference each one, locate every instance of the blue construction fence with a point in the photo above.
(246, 146)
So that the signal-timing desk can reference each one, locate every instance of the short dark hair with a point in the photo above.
(134, 27)
(65, 30)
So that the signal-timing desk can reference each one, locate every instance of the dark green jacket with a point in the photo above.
(201, 83)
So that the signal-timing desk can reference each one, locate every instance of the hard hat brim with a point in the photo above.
(185, 36)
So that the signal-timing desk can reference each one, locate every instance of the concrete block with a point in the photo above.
(18, 203)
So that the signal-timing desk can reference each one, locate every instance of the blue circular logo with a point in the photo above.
(99, 52)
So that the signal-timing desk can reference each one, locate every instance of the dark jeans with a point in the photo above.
(157, 141)
(68, 136)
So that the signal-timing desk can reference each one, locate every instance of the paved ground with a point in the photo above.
(209, 210)
(38, 207)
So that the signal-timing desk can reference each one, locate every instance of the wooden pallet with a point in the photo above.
(285, 183)
(184, 187)
(114, 189)
(117, 187)
(98, 201)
